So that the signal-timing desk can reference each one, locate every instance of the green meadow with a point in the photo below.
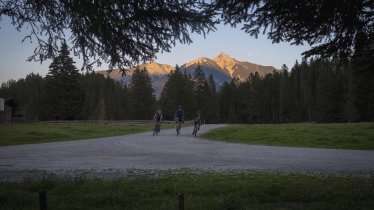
(334, 135)
(29, 133)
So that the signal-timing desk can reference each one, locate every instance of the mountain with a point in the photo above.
(240, 69)
(209, 67)
(223, 68)
(157, 72)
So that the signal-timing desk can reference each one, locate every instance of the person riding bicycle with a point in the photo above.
(157, 118)
(179, 115)
(197, 119)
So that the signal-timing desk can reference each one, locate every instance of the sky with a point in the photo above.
(231, 41)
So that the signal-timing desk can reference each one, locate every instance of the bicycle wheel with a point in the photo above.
(155, 130)
(194, 131)
(178, 129)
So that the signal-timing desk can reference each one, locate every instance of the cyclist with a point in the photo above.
(179, 117)
(197, 123)
(157, 118)
(198, 120)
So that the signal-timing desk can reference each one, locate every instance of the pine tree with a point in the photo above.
(32, 102)
(212, 114)
(121, 33)
(256, 103)
(243, 101)
(26, 94)
(363, 77)
(63, 97)
(200, 88)
(188, 102)
(331, 27)
(201, 91)
(141, 93)
(284, 95)
(172, 93)
(178, 90)
(223, 101)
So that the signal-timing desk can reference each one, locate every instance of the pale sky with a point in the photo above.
(232, 41)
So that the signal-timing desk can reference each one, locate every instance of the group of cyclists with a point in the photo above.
(179, 119)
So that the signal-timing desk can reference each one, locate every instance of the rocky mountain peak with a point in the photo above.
(226, 63)
(200, 60)
(224, 56)
(156, 68)
(223, 68)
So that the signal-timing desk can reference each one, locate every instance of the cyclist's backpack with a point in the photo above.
(158, 116)
(180, 114)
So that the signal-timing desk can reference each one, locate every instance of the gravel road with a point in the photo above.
(115, 156)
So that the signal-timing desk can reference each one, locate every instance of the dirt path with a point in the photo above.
(115, 156)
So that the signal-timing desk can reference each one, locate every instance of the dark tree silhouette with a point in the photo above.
(331, 27)
(125, 33)
(122, 33)
(63, 97)
(143, 100)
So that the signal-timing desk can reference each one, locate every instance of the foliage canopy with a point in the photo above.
(122, 33)
(125, 33)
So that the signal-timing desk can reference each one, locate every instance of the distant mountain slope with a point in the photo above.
(223, 68)
(239, 69)
(209, 67)
(157, 72)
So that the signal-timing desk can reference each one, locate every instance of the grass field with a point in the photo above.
(204, 191)
(337, 135)
(27, 133)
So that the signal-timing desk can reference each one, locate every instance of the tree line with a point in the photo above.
(318, 90)
(65, 94)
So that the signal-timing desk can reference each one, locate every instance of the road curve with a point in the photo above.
(168, 152)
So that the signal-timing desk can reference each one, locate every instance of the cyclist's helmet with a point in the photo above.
(180, 107)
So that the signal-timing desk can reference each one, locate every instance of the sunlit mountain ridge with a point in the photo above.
(223, 68)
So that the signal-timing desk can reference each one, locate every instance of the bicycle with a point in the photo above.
(156, 128)
(195, 129)
(178, 127)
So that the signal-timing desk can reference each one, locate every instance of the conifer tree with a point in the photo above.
(200, 90)
(224, 102)
(284, 95)
(141, 93)
(33, 90)
(363, 77)
(212, 114)
(255, 104)
(177, 91)
(26, 94)
(243, 101)
(188, 101)
(171, 95)
(63, 96)
(121, 33)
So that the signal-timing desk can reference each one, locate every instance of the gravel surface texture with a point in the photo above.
(144, 154)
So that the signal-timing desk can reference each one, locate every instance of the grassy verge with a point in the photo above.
(27, 133)
(338, 135)
(204, 191)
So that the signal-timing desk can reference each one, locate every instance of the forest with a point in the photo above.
(314, 90)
